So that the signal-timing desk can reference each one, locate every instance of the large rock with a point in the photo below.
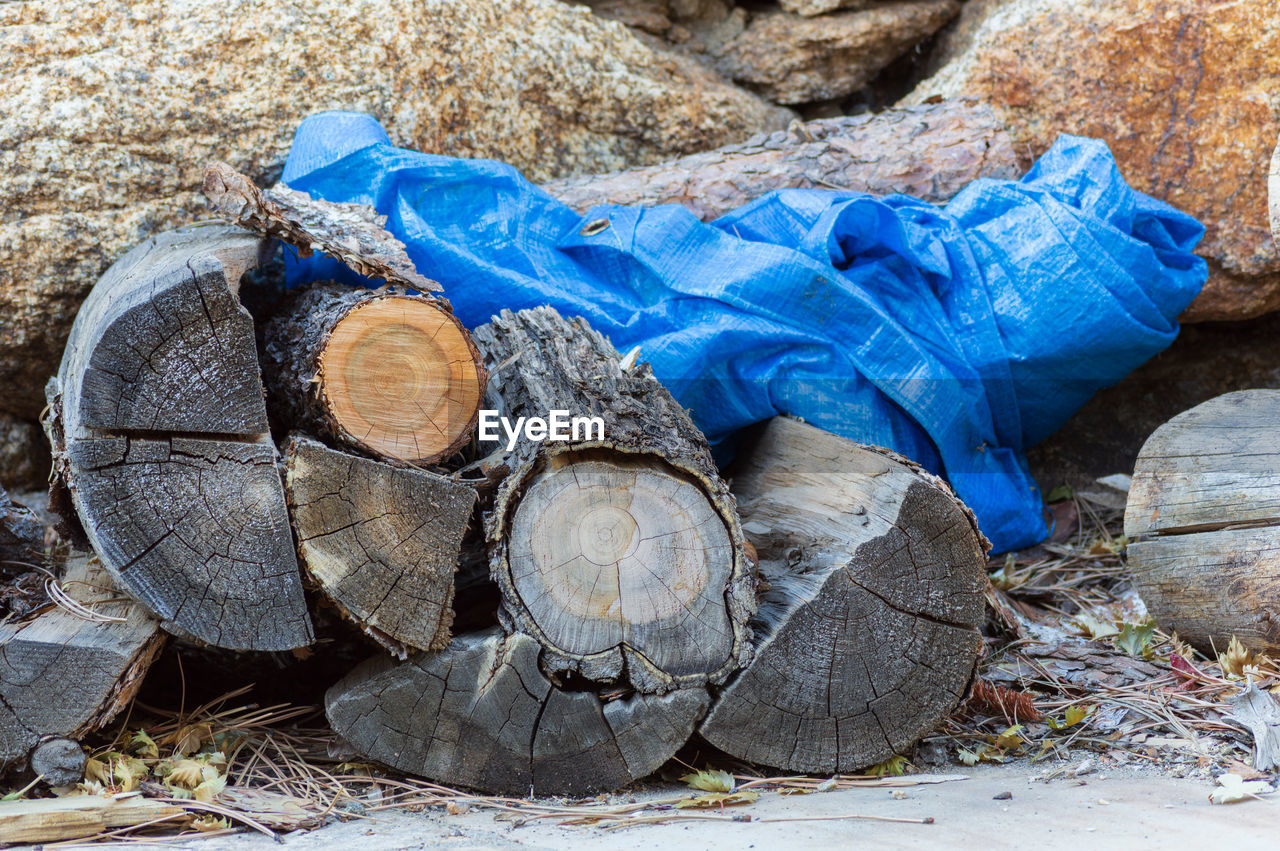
(109, 112)
(1182, 90)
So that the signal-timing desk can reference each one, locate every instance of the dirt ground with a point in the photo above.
(1104, 810)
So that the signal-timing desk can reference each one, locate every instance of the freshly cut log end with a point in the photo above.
(381, 542)
(618, 549)
(868, 635)
(1204, 513)
(386, 371)
(481, 713)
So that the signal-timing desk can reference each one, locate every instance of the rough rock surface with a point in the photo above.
(24, 454)
(1183, 92)
(793, 59)
(109, 112)
(809, 8)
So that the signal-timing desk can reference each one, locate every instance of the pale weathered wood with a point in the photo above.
(481, 713)
(868, 633)
(159, 432)
(54, 819)
(381, 542)
(384, 371)
(621, 554)
(1204, 508)
(64, 676)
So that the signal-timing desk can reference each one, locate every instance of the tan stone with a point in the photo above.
(809, 8)
(109, 112)
(1184, 92)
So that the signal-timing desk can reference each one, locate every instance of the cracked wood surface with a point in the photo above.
(482, 714)
(381, 542)
(622, 556)
(384, 371)
(159, 433)
(867, 633)
(1204, 506)
(62, 675)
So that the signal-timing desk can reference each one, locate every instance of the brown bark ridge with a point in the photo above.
(160, 435)
(381, 542)
(619, 550)
(1203, 512)
(385, 371)
(931, 152)
(868, 633)
(63, 676)
(481, 713)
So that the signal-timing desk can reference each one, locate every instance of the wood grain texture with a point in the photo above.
(159, 434)
(482, 714)
(381, 542)
(636, 528)
(868, 633)
(54, 819)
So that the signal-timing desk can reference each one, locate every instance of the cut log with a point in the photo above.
(1204, 516)
(868, 633)
(381, 542)
(159, 432)
(62, 675)
(35, 822)
(618, 549)
(58, 761)
(931, 152)
(384, 371)
(482, 714)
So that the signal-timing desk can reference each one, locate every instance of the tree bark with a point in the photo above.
(1204, 507)
(382, 371)
(619, 551)
(159, 433)
(931, 152)
(481, 713)
(381, 542)
(868, 631)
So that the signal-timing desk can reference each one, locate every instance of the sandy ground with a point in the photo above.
(1116, 809)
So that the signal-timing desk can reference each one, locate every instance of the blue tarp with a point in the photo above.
(957, 336)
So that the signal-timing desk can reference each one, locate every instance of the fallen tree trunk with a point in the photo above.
(381, 542)
(160, 434)
(931, 152)
(617, 548)
(384, 371)
(867, 633)
(482, 713)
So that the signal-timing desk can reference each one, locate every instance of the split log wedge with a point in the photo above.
(381, 542)
(1204, 516)
(867, 635)
(385, 371)
(160, 434)
(63, 676)
(482, 714)
(619, 548)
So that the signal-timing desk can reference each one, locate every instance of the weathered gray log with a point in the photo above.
(1204, 512)
(58, 761)
(868, 633)
(481, 713)
(159, 432)
(62, 676)
(619, 550)
(381, 542)
(21, 537)
(931, 152)
(383, 371)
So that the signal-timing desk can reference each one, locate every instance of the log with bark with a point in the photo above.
(1203, 512)
(867, 634)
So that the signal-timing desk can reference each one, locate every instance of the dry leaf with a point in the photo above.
(710, 780)
(718, 799)
(1233, 789)
(1236, 659)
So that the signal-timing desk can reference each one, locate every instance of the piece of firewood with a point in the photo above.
(1204, 512)
(931, 152)
(481, 713)
(384, 371)
(618, 548)
(55, 819)
(62, 675)
(159, 433)
(381, 542)
(868, 633)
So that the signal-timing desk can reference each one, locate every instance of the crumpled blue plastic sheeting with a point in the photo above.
(957, 336)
